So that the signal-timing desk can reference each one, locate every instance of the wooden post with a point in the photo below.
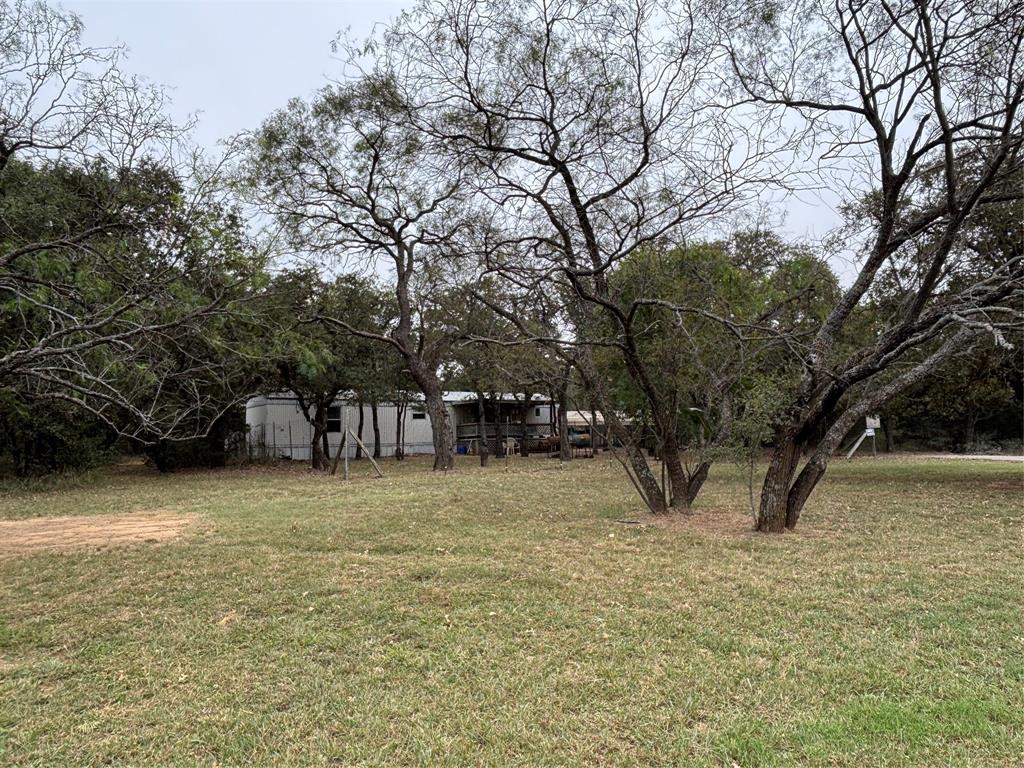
(523, 452)
(857, 445)
(664, 484)
(368, 455)
(273, 431)
(290, 439)
(343, 447)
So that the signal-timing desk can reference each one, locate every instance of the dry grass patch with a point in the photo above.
(22, 537)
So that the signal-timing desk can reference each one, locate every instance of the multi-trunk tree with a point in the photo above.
(714, 320)
(594, 133)
(915, 108)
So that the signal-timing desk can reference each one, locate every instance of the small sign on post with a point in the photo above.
(871, 423)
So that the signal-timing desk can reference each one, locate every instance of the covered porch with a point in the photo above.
(510, 424)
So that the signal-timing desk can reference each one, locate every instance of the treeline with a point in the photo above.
(525, 197)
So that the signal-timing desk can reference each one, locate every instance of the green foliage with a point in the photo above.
(315, 357)
(111, 255)
(974, 405)
(499, 363)
(710, 324)
(44, 438)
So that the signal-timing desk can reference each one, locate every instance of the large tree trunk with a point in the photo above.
(318, 458)
(375, 420)
(806, 482)
(481, 415)
(678, 481)
(319, 448)
(772, 513)
(814, 470)
(399, 423)
(647, 484)
(440, 424)
(696, 481)
(441, 430)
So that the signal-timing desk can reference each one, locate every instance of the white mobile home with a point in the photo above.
(513, 421)
(278, 428)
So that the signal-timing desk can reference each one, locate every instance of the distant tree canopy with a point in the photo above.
(124, 267)
(715, 321)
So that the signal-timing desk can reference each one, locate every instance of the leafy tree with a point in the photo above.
(41, 438)
(317, 362)
(105, 264)
(958, 405)
(713, 320)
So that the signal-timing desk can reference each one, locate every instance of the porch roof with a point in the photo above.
(456, 397)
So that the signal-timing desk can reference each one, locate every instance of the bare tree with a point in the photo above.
(352, 181)
(594, 128)
(915, 107)
(109, 252)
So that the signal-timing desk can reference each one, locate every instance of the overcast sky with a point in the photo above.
(235, 61)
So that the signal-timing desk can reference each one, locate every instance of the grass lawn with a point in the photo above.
(504, 617)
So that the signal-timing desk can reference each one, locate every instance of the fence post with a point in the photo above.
(344, 443)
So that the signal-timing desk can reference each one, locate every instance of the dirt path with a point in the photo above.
(62, 533)
(969, 456)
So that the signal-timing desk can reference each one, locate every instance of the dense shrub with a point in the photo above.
(39, 438)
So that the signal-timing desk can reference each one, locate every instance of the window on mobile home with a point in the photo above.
(334, 418)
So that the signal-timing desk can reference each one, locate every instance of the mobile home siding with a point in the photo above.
(276, 424)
